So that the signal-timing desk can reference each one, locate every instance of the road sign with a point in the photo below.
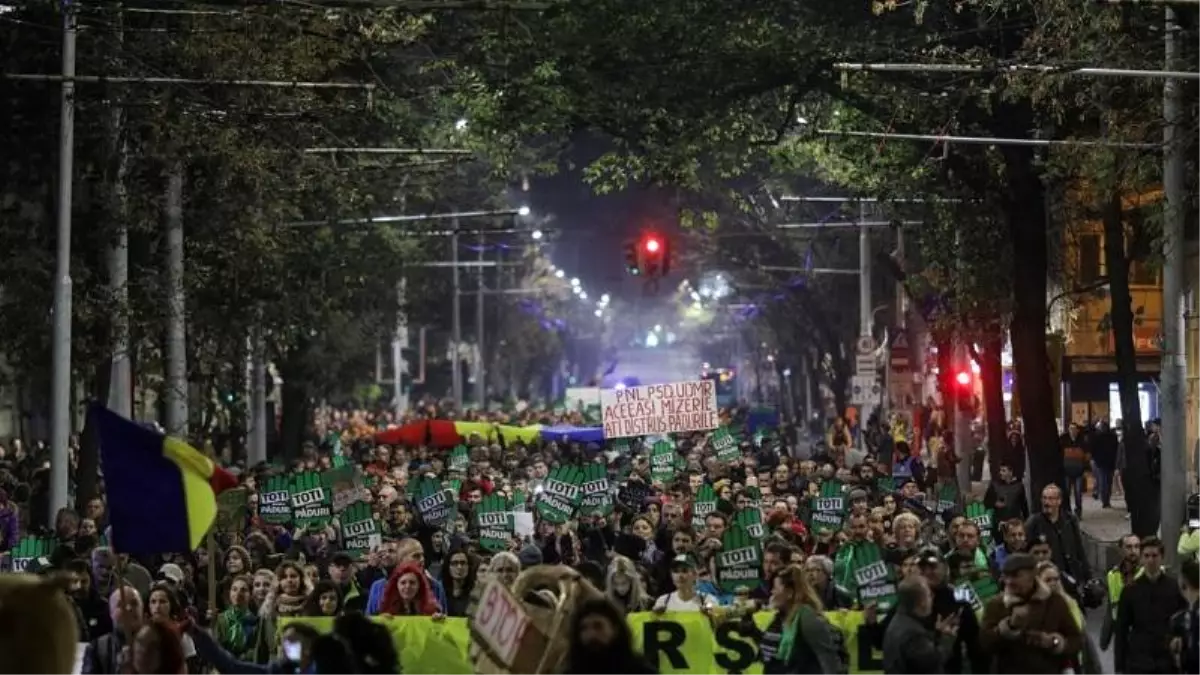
(864, 364)
(899, 353)
(865, 344)
(864, 389)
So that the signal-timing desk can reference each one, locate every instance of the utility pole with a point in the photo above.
(60, 384)
(456, 383)
(1173, 409)
(176, 381)
(864, 309)
(120, 387)
(480, 369)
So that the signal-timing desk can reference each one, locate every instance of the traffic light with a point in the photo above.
(631, 259)
(964, 389)
(654, 255)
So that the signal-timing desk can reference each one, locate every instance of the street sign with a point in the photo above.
(899, 353)
(864, 390)
(865, 344)
(864, 364)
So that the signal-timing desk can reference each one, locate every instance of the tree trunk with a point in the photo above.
(1025, 214)
(295, 412)
(991, 376)
(1140, 495)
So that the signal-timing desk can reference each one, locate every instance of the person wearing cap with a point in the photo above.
(932, 570)
(685, 597)
(341, 573)
(1028, 628)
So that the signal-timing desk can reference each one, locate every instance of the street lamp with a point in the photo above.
(537, 234)
(523, 211)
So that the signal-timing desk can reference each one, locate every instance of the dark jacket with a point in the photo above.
(910, 647)
(1185, 625)
(1005, 643)
(1143, 631)
(103, 656)
(1104, 449)
(1066, 543)
(818, 647)
(966, 642)
(1013, 496)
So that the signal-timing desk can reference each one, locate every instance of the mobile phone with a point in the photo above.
(962, 595)
(291, 650)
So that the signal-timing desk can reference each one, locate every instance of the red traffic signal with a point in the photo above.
(963, 378)
(652, 245)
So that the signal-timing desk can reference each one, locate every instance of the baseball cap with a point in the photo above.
(1019, 562)
(683, 560)
(928, 558)
(171, 572)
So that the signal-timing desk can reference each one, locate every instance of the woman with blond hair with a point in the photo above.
(1088, 659)
(624, 586)
(799, 639)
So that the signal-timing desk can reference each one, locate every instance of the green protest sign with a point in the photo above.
(597, 500)
(750, 520)
(360, 532)
(275, 501)
(725, 445)
(739, 564)
(947, 497)
(754, 497)
(435, 504)
(494, 520)
(29, 549)
(829, 507)
(704, 503)
(345, 487)
(561, 494)
(460, 459)
(874, 579)
(982, 517)
(310, 497)
(662, 462)
(231, 510)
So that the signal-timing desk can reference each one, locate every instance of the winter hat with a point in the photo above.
(530, 556)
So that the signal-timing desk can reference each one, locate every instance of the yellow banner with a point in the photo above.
(679, 642)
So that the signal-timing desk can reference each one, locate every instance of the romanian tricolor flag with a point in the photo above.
(162, 493)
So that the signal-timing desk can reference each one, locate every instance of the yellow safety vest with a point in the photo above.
(1116, 584)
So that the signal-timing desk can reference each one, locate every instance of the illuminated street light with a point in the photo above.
(559, 273)
(523, 211)
(537, 234)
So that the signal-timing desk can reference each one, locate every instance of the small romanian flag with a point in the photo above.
(162, 493)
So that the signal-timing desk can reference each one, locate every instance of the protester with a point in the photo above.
(1028, 628)
(1142, 635)
(600, 642)
(910, 647)
(1185, 625)
(798, 639)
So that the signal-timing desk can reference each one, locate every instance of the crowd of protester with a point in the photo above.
(222, 609)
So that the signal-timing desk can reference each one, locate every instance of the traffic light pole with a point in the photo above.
(456, 383)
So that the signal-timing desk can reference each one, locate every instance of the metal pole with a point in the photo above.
(1173, 404)
(864, 272)
(258, 393)
(956, 68)
(982, 140)
(868, 200)
(480, 370)
(176, 380)
(120, 387)
(385, 151)
(414, 218)
(60, 384)
(456, 382)
(105, 79)
(399, 343)
(844, 225)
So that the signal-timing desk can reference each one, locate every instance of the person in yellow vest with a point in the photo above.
(1087, 661)
(1117, 578)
